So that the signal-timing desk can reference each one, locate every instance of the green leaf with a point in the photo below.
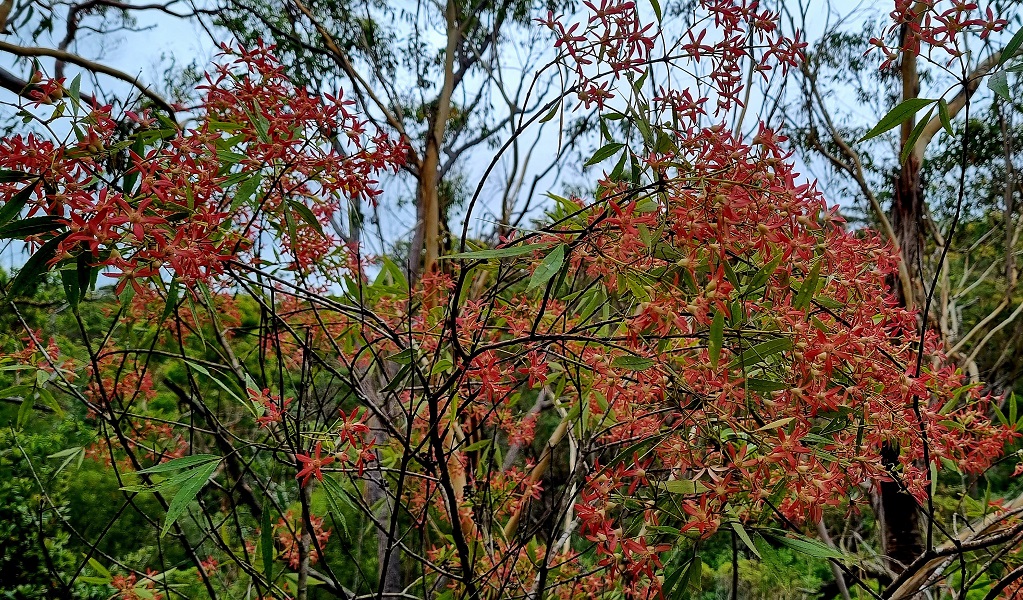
(198, 479)
(338, 501)
(185, 462)
(12, 208)
(405, 357)
(553, 112)
(548, 268)
(10, 176)
(691, 578)
(805, 545)
(100, 569)
(196, 366)
(229, 157)
(261, 124)
(36, 266)
(898, 115)
(760, 278)
(638, 86)
(765, 385)
(914, 135)
(619, 168)
(391, 275)
(481, 444)
(266, 544)
(49, 400)
(672, 575)
(998, 82)
(399, 379)
(69, 455)
(946, 120)
(69, 279)
(717, 330)
(495, 252)
(741, 532)
(25, 410)
(75, 91)
(686, 487)
(246, 190)
(1010, 49)
(632, 363)
(657, 9)
(172, 299)
(307, 215)
(760, 352)
(23, 228)
(289, 222)
(808, 287)
(604, 153)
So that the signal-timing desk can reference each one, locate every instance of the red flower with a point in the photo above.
(311, 465)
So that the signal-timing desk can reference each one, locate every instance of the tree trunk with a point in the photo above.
(426, 243)
(388, 553)
(899, 520)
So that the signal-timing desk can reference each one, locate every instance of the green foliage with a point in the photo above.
(38, 554)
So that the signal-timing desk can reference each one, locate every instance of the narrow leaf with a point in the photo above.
(604, 153)
(189, 490)
(777, 424)
(765, 385)
(805, 545)
(809, 286)
(914, 135)
(69, 279)
(741, 532)
(23, 228)
(1010, 49)
(8, 176)
(632, 363)
(548, 268)
(184, 462)
(25, 410)
(266, 544)
(246, 190)
(75, 91)
(657, 9)
(338, 501)
(687, 487)
(896, 116)
(553, 112)
(36, 266)
(946, 120)
(307, 215)
(760, 352)
(12, 208)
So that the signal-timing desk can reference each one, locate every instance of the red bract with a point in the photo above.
(934, 25)
(311, 465)
(184, 201)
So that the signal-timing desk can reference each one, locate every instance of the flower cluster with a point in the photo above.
(264, 158)
(921, 27)
(614, 37)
